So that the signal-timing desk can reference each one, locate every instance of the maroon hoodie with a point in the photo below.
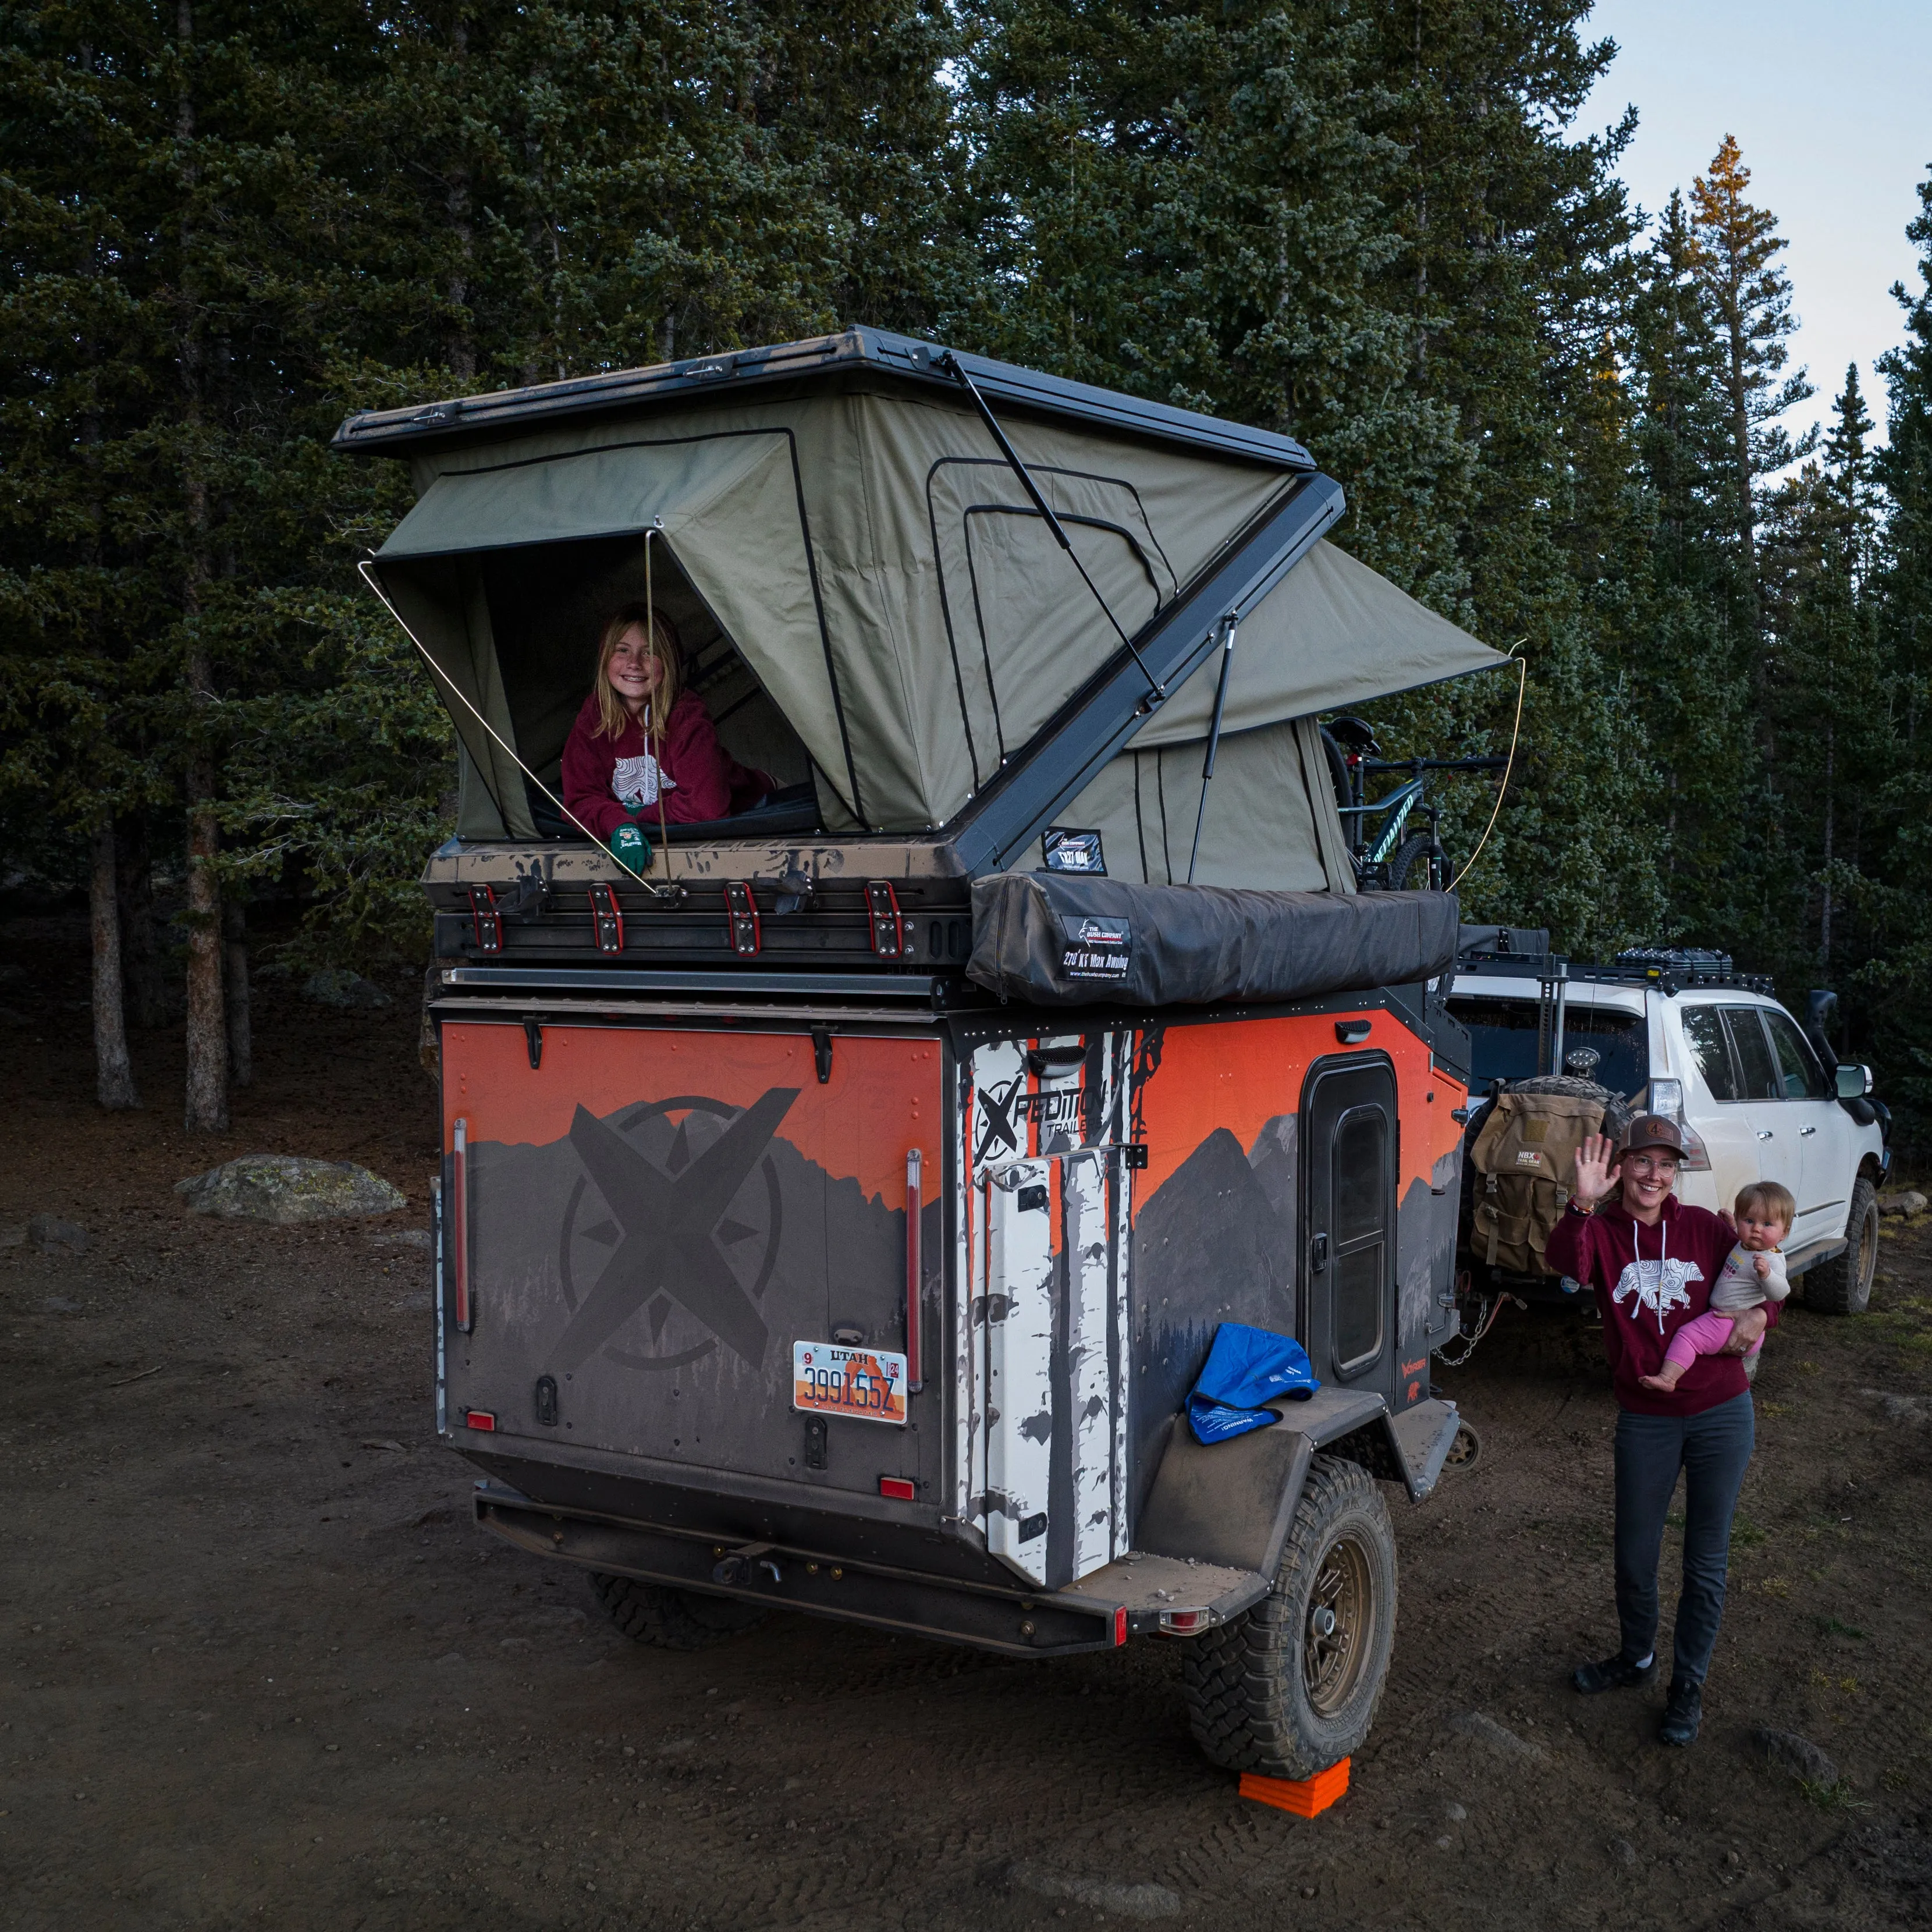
(612, 781)
(1649, 1281)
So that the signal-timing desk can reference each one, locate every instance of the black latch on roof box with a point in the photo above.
(484, 918)
(1061, 851)
(743, 911)
(606, 918)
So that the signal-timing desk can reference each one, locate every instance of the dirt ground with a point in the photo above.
(260, 1670)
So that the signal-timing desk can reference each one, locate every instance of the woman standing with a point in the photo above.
(1653, 1262)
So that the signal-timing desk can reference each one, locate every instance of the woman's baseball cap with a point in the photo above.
(1651, 1130)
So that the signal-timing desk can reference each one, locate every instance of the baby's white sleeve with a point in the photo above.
(1776, 1284)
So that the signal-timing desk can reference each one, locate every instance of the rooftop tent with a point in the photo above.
(1332, 633)
(872, 601)
(868, 555)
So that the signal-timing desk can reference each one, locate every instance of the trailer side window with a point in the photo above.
(1361, 1193)
(1704, 1033)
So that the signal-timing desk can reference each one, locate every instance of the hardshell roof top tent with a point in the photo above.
(873, 605)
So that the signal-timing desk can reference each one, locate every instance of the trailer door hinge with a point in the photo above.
(743, 910)
(606, 918)
(487, 921)
(882, 904)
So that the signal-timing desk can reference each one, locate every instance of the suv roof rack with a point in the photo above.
(1670, 969)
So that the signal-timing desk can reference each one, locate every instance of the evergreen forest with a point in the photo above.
(1380, 225)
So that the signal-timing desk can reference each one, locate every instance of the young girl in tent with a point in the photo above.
(644, 748)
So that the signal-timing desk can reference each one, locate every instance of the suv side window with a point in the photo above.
(1755, 1066)
(1798, 1071)
(1705, 1033)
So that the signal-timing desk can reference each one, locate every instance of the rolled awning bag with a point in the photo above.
(1246, 1368)
(1067, 941)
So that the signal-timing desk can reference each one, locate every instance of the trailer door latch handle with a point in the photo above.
(1318, 1258)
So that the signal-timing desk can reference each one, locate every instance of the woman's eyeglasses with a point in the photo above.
(1644, 1163)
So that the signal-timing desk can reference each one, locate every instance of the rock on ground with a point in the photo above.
(50, 1230)
(288, 1188)
(1900, 1407)
(1486, 1730)
(1123, 1901)
(336, 986)
(1910, 1202)
(1797, 1755)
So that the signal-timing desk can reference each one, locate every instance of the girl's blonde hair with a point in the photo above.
(611, 716)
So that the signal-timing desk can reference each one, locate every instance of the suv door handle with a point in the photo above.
(1766, 1134)
(1803, 1131)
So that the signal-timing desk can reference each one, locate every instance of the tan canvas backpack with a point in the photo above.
(1524, 1159)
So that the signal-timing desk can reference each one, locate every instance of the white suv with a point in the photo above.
(1683, 1035)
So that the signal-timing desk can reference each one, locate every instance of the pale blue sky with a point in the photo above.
(1831, 104)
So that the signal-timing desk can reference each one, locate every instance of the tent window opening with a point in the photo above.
(546, 606)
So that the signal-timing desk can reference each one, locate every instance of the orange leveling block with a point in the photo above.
(1306, 1797)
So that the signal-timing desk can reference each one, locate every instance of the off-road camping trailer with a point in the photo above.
(837, 1211)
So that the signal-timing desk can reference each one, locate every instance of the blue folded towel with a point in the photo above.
(1245, 1368)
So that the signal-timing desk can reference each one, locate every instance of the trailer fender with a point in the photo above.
(1231, 1504)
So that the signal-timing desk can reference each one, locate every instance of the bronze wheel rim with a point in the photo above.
(1336, 1641)
(1867, 1251)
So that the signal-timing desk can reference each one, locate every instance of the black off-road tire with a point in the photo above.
(1267, 1692)
(1842, 1285)
(1616, 1109)
(670, 1619)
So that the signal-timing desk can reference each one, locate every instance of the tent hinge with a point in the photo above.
(606, 917)
(889, 934)
(485, 920)
(821, 1052)
(743, 911)
(533, 1035)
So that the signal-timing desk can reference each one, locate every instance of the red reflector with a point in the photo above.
(479, 1418)
(1120, 1625)
(897, 1487)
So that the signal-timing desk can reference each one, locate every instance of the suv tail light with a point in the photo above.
(1667, 1096)
(1696, 1156)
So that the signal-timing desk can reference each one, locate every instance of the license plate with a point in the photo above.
(867, 1384)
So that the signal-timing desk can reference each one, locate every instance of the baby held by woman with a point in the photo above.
(1755, 1273)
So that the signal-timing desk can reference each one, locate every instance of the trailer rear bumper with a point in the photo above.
(1137, 1594)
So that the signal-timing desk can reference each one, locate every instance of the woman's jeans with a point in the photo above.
(1713, 1449)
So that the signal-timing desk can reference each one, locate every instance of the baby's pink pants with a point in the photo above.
(1705, 1335)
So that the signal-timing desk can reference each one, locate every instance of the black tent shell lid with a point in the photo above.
(402, 432)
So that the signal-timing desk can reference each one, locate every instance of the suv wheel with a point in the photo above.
(669, 1619)
(1842, 1285)
(1291, 1687)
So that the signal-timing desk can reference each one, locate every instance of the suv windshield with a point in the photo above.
(1502, 1041)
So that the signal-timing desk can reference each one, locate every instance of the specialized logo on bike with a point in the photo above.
(675, 1239)
(1657, 1287)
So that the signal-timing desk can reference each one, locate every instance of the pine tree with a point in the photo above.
(1738, 245)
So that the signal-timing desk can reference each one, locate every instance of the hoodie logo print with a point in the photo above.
(1658, 1287)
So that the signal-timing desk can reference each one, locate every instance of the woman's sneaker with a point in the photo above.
(1683, 1714)
(1614, 1673)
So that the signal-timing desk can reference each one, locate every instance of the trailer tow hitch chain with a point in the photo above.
(741, 1566)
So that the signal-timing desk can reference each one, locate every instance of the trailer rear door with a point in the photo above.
(654, 1220)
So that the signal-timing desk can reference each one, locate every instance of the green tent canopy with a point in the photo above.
(870, 601)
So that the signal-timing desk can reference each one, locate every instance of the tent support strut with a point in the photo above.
(951, 361)
(1230, 624)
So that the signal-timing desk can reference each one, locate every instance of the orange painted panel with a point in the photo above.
(882, 1100)
(1239, 1075)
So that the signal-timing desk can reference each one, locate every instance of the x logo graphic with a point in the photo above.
(668, 1246)
(999, 1111)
